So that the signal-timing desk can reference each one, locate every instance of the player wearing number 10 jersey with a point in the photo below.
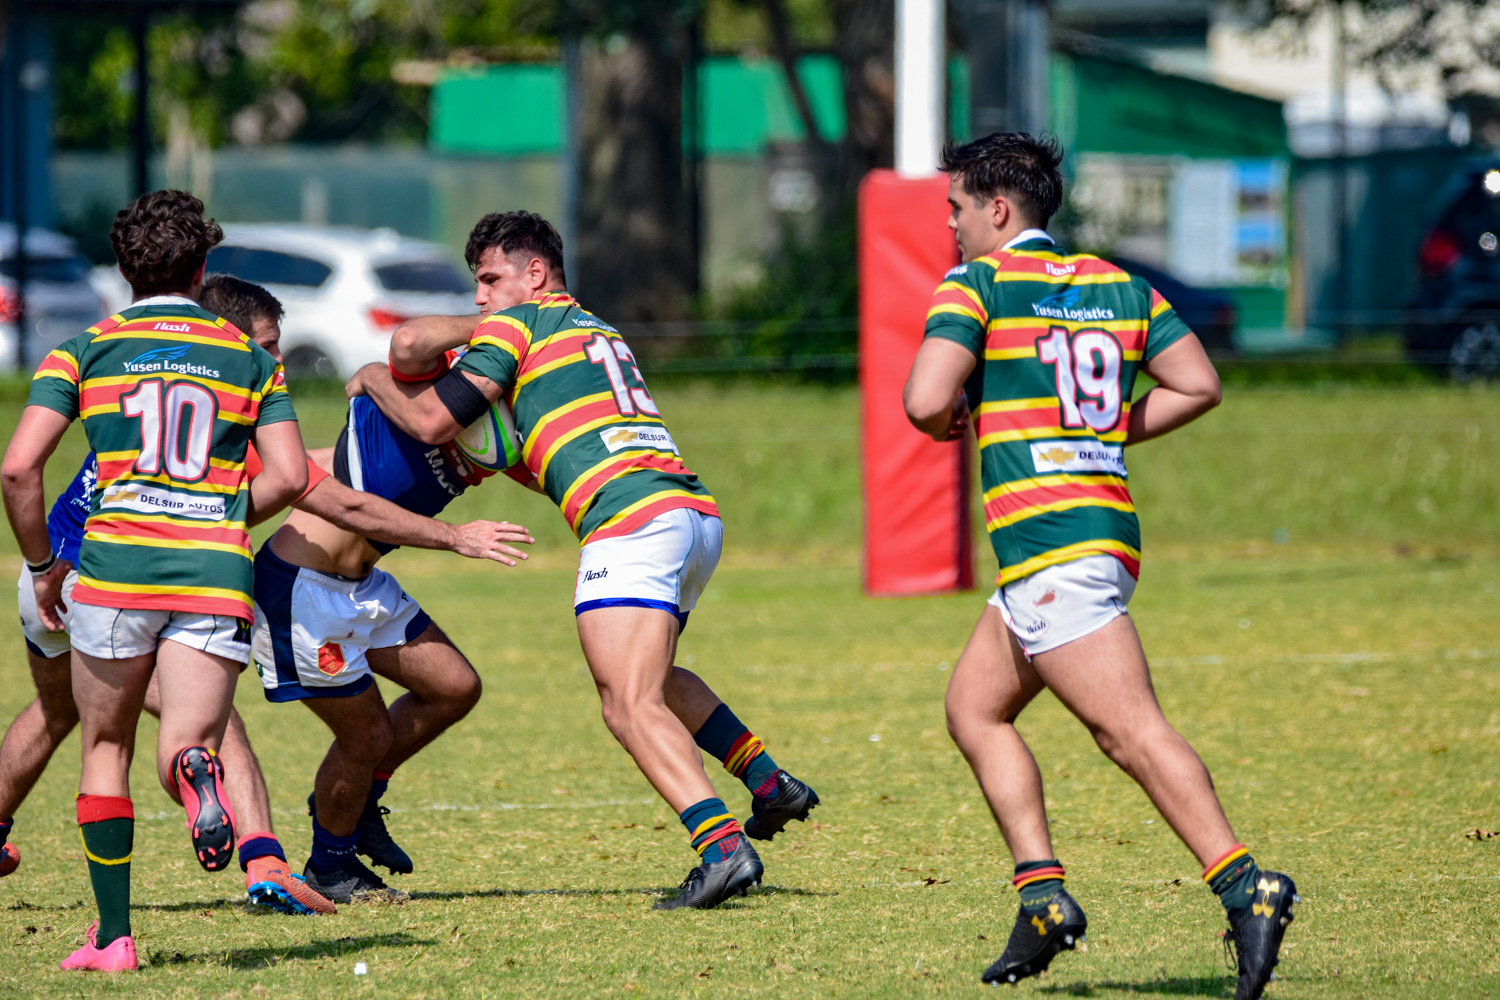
(1058, 339)
(171, 398)
(597, 445)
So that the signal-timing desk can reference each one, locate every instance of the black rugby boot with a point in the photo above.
(793, 801)
(710, 884)
(1037, 938)
(1254, 935)
(350, 882)
(374, 840)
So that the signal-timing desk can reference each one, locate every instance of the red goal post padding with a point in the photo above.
(917, 535)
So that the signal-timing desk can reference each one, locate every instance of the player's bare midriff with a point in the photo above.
(308, 541)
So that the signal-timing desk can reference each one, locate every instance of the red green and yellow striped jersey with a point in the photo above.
(168, 394)
(1060, 337)
(593, 436)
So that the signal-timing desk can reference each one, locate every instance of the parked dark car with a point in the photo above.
(1211, 315)
(1455, 319)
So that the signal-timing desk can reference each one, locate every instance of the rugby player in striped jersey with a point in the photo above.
(1059, 339)
(47, 721)
(171, 399)
(650, 533)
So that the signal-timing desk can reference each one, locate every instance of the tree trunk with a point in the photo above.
(634, 247)
(866, 50)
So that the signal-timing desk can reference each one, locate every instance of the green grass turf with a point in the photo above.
(1329, 649)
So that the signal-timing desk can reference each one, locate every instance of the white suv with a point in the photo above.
(344, 289)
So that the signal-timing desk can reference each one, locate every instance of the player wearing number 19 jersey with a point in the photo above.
(597, 445)
(1061, 337)
(1058, 339)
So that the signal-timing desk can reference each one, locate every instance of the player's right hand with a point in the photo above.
(959, 425)
(49, 603)
(488, 540)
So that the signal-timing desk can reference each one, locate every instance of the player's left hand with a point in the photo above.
(487, 540)
(356, 385)
(49, 602)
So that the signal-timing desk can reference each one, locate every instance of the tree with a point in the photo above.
(634, 247)
(1457, 40)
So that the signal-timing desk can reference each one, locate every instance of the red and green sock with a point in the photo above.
(1038, 882)
(712, 829)
(1232, 878)
(107, 824)
(743, 755)
(5, 825)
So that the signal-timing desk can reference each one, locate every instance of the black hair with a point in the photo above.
(517, 233)
(239, 301)
(1022, 168)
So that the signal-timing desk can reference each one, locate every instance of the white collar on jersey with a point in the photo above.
(170, 300)
(1029, 234)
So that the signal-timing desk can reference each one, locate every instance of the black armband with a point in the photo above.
(462, 398)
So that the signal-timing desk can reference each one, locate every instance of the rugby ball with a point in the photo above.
(491, 442)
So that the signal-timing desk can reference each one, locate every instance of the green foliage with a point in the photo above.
(802, 311)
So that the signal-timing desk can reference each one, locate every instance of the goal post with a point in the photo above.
(916, 491)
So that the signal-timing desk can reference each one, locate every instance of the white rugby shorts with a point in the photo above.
(40, 641)
(119, 633)
(312, 630)
(665, 563)
(1064, 602)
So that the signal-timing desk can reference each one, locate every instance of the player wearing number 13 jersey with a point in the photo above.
(596, 443)
(1057, 340)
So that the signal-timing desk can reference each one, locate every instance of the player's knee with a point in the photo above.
(466, 691)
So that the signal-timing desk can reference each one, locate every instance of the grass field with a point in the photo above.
(1320, 604)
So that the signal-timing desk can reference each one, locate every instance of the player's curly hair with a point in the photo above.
(239, 301)
(517, 233)
(160, 239)
(1022, 168)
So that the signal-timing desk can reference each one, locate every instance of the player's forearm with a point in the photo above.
(1187, 387)
(36, 436)
(416, 409)
(375, 517)
(26, 509)
(418, 343)
(1163, 410)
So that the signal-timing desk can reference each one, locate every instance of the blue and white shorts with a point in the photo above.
(1061, 603)
(312, 630)
(665, 563)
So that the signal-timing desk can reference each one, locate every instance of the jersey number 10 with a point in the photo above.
(1087, 368)
(162, 422)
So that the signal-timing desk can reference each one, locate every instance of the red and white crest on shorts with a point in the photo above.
(331, 659)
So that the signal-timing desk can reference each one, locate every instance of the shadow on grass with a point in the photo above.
(1199, 986)
(764, 890)
(269, 957)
